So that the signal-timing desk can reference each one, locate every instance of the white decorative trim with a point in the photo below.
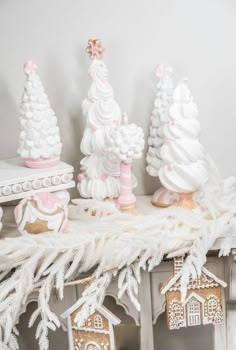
(196, 296)
(102, 309)
(170, 285)
(21, 190)
(86, 329)
(17, 181)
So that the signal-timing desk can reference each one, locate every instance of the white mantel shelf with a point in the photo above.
(143, 205)
(18, 181)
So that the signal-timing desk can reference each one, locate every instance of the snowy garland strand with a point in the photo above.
(48, 261)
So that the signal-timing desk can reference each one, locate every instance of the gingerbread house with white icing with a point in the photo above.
(97, 331)
(203, 303)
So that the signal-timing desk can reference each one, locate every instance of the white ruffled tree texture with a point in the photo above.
(159, 117)
(184, 168)
(100, 170)
(107, 141)
(39, 137)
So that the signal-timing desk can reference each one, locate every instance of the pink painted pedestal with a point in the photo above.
(41, 163)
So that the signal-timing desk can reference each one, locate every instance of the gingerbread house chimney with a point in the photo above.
(178, 264)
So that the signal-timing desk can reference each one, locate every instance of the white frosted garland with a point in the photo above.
(136, 243)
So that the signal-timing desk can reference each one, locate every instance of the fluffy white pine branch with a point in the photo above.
(93, 296)
(124, 244)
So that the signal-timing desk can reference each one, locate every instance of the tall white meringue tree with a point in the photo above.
(100, 169)
(39, 143)
(159, 117)
(162, 197)
(184, 167)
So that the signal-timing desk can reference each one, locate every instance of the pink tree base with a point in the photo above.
(127, 202)
(126, 198)
(41, 163)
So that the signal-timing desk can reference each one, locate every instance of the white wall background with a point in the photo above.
(196, 37)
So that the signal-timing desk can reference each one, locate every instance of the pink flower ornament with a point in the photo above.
(95, 49)
(164, 71)
(30, 68)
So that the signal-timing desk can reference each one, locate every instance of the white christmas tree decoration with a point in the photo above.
(162, 197)
(184, 167)
(40, 144)
(100, 170)
(159, 117)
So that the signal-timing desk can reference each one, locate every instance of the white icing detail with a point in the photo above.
(26, 186)
(184, 167)
(6, 190)
(87, 329)
(56, 180)
(16, 188)
(46, 182)
(36, 184)
(66, 178)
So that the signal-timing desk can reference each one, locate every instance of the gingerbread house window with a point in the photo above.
(178, 310)
(194, 312)
(212, 305)
(98, 323)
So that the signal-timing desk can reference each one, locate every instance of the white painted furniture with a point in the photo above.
(18, 181)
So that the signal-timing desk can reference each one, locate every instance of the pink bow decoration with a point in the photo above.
(95, 49)
(30, 68)
(164, 71)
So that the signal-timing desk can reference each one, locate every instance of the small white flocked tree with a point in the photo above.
(159, 117)
(40, 144)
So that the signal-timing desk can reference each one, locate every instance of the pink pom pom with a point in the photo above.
(104, 177)
(30, 68)
(80, 177)
(169, 167)
(164, 71)
(167, 141)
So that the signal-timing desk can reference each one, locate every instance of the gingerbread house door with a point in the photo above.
(194, 312)
(92, 346)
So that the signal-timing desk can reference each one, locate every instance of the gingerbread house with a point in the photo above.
(203, 303)
(96, 333)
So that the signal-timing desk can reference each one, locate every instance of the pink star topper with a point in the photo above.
(30, 68)
(164, 71)
(95, 49)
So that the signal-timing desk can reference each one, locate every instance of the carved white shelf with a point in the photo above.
(17, 181)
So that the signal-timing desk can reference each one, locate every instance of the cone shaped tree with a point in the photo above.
(184, 168)
(100, 170)
(40, 144)
(159, 117)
